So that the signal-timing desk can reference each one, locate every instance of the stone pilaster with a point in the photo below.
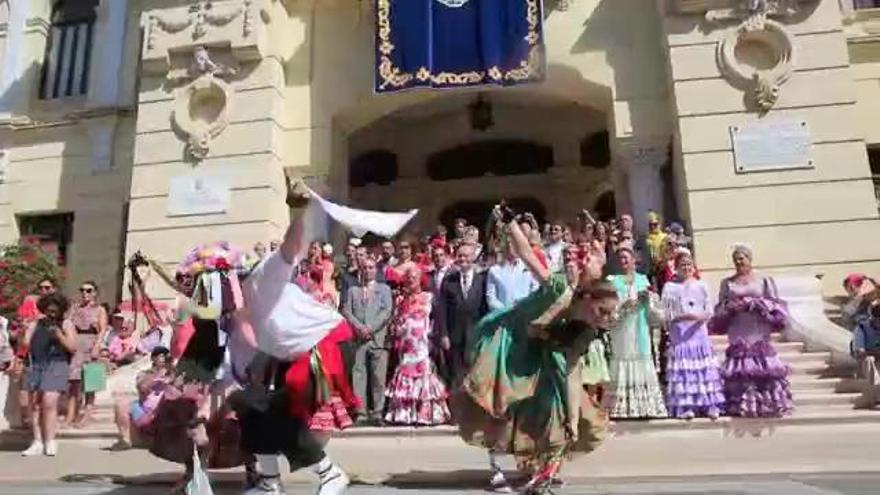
(13, 57)
(640, 161)
(102, 133)
(109, 46)
(211, 105)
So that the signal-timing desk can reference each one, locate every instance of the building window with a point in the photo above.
(874, 162)
(490, 158)
(374, 167)
(54, 232)
(605, 207)
(68, 50)
(596, 150)
(866, 4)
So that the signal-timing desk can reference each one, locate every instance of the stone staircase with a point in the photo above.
(818, 391)
(821, 395)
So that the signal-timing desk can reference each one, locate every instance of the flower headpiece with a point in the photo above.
(219, 256)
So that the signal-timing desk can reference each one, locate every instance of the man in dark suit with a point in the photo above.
(441, 269)
(461, 304)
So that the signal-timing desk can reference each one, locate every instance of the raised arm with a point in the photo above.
(293, 239)
(66, 335)
(524, 250)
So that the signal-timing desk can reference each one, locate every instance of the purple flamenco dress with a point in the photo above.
(693, 380)
(756, 380)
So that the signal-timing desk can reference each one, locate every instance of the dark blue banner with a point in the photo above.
(458, 43)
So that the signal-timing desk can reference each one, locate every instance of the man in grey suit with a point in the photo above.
(367, 307)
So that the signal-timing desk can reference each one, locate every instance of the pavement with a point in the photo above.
(445, 463)
(812, 484)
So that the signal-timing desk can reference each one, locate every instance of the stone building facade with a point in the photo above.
(158, 124)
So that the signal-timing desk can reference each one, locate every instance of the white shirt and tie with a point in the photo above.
(467, 279)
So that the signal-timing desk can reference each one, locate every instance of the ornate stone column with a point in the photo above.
(640, 161)
(13, 56)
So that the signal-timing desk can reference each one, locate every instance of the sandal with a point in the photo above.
(120, 446)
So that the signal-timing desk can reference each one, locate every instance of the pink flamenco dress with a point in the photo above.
(416, 395)
(755, 379)
(332, 413)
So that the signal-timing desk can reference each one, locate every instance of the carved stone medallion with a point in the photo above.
(201, 108)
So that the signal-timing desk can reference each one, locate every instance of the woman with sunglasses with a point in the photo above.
(90, 321)
(524, 392)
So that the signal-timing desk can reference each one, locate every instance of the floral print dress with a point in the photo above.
(416, 396)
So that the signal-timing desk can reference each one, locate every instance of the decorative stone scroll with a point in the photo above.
(759, 56)
(201, 108)
(236, 24)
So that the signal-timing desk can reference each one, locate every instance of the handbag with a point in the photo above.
(200, 484)
(94, 376)
(224, 451)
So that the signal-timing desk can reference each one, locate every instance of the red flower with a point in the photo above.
(222, 264)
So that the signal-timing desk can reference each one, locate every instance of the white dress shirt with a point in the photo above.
(508, 283)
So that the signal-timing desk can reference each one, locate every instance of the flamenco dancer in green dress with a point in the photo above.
(524, 393)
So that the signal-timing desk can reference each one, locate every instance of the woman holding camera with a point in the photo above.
(50, 342)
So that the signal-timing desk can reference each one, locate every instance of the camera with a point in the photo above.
(136, 260)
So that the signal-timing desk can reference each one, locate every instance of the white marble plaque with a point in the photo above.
(198, 195)
(772, 145)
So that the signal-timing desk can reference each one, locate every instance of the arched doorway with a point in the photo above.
(542, 151)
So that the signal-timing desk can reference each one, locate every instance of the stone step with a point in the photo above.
(809, 367)
(823, 398)
(722, 339)
(781, 347)
(836, 384)
(800, 357)
(802, 416)
(831, 414)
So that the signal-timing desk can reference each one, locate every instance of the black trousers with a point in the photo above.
(267, 427)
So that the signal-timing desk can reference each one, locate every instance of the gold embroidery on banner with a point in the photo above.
(392, 76)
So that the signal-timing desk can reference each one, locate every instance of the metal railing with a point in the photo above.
(67, 61)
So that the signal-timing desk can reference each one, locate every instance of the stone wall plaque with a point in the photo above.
(771, 145)
(198, 195)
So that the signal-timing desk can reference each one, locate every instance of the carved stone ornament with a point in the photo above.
(171, 30)
(199, 15)
(759, 55)
(770, 49)
(201, 108)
